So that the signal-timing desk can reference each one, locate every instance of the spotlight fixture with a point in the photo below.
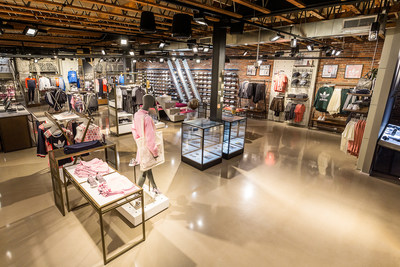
(293, 43)
(173, 58)
(200, 19)
(162, 44)
(310, 47)
(195, 49)
(198, 60)
(277, 37)
(30, 31)
(374, 31)
(206, 49)
(161, 60)
(35, 60)
(333, 52)
(103, 52)
(132, 53)
(245, 53)
(338, 52)
(124, 41)
(259, 62)
(134, 61)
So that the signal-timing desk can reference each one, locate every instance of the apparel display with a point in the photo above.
(30, 84)
(352, 137)
(93, 167)
(280, 82)
(72, 77)
(277, 105)
(322, 98)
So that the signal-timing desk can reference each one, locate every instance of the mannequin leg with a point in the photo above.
(142, 179)
(151, 178)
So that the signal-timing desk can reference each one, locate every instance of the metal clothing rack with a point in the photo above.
(252, 112)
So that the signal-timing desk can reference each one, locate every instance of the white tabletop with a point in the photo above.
(79, 180)
(65, 116)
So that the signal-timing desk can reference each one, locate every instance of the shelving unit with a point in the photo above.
(161, 82)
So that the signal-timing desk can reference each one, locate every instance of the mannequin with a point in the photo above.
(149, 131)
(30, 84)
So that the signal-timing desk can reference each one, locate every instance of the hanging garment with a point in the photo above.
(347, 135)
(299, 111)
(72, 77)
(289, 111)
(100, 83)
(343, 98)
(41, 141)
(334, 103)
(53, 82)
(259, 94)
(243, 90)
(354, 146)
(280, 82)
(92, 134)
(105, 86)
(121, 79)
(277, 105)
(44, 83)
(56, 141)
(322, 98)
(139, 96)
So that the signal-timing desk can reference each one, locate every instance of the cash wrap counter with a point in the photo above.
(15, 129)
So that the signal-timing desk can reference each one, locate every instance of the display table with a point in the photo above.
(104, 204)
(14, 130)
(201, 143)
(55, 156)
(234, 136)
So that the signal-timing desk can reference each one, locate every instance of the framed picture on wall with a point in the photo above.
(265, 70)
(353, 71)
(251, 70)
(330, 71)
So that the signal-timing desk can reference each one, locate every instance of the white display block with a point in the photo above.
(160, 125)
(125, 128)
(160, 203)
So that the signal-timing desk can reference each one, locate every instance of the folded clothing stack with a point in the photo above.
(91, 168)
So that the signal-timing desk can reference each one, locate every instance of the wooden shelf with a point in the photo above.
(365, 95)
(299, 99)
(338, 123)
(362, 111)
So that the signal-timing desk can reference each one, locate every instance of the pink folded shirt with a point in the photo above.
(93, 167)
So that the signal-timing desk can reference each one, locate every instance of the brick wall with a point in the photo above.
(357, 49)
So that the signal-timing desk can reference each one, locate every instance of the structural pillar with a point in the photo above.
(386, 71)
(218, 66)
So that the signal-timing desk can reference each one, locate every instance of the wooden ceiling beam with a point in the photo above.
(156, 5)
(63, 13)
(317, 14)
(297, 3)
(212, 8)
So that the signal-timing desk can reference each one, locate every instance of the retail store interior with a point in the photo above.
(199, 133)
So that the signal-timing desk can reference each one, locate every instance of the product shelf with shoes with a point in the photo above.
(234, 136)
(106, 193)
(201, 145)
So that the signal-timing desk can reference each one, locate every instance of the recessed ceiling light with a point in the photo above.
(30, 31)
(206, 49)
(124, 41)
(132, 53)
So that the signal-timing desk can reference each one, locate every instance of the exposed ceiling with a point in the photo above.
(72, 24)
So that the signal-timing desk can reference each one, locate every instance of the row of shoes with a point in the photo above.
(93, 181)
(321, 118)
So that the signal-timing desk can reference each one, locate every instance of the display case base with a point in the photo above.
(231, 155)
(199, 166)
(133, 215)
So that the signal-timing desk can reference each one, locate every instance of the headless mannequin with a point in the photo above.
(148, 102)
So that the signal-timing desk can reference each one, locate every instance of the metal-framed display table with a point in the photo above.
(234, 136)
(110, 150)
(104, 204)
(201, 143)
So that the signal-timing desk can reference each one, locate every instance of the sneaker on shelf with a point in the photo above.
(92, 181)
(157, 191)
(133, 162)
(319, 118)
(100, 178)
(138, 203)
(323, 118)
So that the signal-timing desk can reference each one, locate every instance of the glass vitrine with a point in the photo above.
(234, 136)
(201, 143)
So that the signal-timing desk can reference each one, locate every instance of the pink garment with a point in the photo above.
(149, 131)
(93, 167)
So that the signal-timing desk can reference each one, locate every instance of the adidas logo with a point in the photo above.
(324, 96)
(59, 144)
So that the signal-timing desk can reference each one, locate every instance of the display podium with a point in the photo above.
(234, 136)
(201, 143)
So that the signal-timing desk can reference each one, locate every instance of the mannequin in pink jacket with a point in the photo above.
(150, 133)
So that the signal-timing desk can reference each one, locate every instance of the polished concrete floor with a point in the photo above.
(292, 199)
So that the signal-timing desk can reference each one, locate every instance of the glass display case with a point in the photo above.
(201, 143)
(234, 135)
(391, 137)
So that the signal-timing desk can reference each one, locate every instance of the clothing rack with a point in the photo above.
(252, 112)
